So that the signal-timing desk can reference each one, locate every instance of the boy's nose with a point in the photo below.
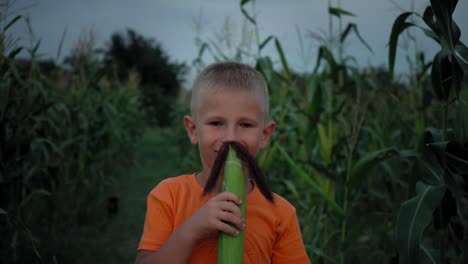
(229, 135)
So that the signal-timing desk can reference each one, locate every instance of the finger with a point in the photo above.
(229, 196)
(230, 207)
(227, 228)
(233, 219)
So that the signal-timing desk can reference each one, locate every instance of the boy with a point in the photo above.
(229, 103)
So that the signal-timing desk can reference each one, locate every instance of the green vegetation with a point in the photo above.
(376, 168)
(66, 136)
(159, 78)
(353, 145)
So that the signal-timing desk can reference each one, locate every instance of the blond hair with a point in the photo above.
(232, 76)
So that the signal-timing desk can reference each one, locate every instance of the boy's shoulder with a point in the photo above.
(184, 178)
(280, 206)
(281, 201)
(283, 204)
(277, 215)
(170, 184)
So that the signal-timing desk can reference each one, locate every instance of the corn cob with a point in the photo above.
(231, 248)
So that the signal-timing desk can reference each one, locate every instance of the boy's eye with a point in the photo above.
(215, 123)
(246, 125)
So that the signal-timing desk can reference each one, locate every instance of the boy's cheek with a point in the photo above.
(264, 143)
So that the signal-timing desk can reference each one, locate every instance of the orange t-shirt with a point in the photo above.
(272, 233)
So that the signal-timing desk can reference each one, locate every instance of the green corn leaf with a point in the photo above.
(339, 12)
(458, 75)
(325, 145)
(461, 124)
(325, 53)
(362, 168)
(428, 254)
(398, 27)
(284, 62)
(441, 75)
(267, 157)
(430, 170)
(265, 66)
(362, 222)
(14, 52)
(316, 98)
(319, 252)
(3, 212)
(201, 51)
(461, 55)
(38, 192)
(432, 135)
(313, 184)
(430, 34)
(428, 17)
(4, 100)
(449, 33)
(453, 157)
(415, 214)
(265, 42)
(353, 27)
(292, 188)
(36, 47)
(246, 14)
(12, 22)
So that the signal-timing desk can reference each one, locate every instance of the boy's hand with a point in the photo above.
(217, 215)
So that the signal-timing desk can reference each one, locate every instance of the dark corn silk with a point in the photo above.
(247, 160)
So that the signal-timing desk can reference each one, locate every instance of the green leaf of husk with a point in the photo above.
(231, 248)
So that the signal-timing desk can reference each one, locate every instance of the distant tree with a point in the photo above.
(159, 77)
(84, 56)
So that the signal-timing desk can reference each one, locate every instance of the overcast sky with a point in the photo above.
(171, 23)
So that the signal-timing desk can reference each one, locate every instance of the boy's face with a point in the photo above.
(223, 115)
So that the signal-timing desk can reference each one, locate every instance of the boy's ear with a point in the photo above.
(191, 129)
(268, 131)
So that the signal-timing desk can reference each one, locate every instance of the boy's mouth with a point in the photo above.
(247, 161)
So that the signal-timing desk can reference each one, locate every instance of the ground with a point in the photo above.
(117, 241)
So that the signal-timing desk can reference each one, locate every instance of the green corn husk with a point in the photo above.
(231, 248)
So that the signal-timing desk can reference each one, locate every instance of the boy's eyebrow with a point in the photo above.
(242, 118)
(249, 119)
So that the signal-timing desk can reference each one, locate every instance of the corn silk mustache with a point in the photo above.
(248, 161)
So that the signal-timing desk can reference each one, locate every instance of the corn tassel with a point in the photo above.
(231, 248)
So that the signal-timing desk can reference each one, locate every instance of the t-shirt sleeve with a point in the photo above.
(289, 246)
(159, 218)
